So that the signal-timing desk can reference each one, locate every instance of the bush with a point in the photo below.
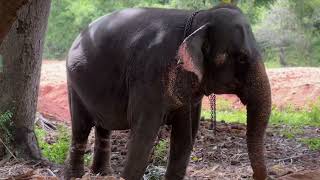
(57, 150)
(312, 143)
(6, 127)
(160, 152)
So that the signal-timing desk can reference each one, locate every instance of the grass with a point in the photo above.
(88, 158)
(225, 112)
(56, 151)
(291, 132)
(272, 64)
(312, 143)
(160, 152)
(308, 116)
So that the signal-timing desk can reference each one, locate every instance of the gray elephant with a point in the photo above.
(142, 68)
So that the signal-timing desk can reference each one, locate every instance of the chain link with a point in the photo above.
(188, 26)
(213, 125)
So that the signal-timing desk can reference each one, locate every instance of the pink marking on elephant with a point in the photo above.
(188, 62)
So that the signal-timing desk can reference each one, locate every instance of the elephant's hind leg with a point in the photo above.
(81, 126)
(102, 151)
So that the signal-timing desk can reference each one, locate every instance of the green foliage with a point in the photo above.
(302, 117)
(6, 127)
(254, 12)
(230, 116)
(88, 159)
(56, 151)
(66, 20)
(290, 132)
(225, 112)
(160, 152)
(312, 143)
(294, 25)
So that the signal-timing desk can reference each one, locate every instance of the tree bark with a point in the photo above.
(282, 57)
(8, 14)
(22, 54)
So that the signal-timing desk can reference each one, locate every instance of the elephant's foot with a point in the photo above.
(75, 172)
(260, 174)
(104, 171)
(173, 177)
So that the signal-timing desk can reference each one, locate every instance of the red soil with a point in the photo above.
(290, 86)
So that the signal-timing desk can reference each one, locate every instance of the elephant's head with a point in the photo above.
(223, 54)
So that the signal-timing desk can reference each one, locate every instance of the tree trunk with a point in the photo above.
(22, 54)
(282, 57)
(8, 14)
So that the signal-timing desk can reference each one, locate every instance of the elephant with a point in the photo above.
(141, 68)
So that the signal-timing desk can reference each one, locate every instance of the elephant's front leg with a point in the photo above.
(183, 135)
(146, 118)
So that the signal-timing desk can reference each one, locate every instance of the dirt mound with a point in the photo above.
(53, 102)
(294, 86)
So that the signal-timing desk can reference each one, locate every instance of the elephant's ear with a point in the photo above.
(190, 54)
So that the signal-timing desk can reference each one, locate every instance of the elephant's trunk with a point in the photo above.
(258, 112)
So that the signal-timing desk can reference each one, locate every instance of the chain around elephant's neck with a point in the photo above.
(212, 97)
(188, 26)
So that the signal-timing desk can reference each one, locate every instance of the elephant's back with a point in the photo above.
(124, 32)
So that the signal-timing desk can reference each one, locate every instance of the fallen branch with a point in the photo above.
(8, 149)
(50, 172)
(44, 123)
(295, 157)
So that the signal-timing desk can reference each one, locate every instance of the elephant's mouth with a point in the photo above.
(229, 88)
(220, 90)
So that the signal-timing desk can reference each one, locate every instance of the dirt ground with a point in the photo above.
(215, 157)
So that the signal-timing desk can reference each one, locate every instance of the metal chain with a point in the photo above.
(188, 26)
(213, 125)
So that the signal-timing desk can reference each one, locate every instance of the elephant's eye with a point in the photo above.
(221, 59)
(242, 57)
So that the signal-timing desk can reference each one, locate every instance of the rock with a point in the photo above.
(279, 170)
